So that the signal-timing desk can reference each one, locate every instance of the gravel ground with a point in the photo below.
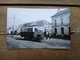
(19, 42)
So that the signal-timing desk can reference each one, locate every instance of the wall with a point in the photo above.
(65, 18)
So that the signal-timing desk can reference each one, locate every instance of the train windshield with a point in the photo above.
(27, 29)
(30, 29)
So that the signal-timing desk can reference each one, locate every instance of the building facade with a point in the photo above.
(44, 25)
(61, 23)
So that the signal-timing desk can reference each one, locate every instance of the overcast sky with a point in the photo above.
(17, 16)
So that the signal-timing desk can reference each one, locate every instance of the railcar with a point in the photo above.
(32, 33)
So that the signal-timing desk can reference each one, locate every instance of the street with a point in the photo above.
(18, 42)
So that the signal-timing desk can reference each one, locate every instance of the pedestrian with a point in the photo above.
(46, 36)
(49, 35)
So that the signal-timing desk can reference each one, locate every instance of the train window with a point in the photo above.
(36, 29)
(30, 29)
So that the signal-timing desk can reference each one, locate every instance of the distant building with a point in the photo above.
(12, 30)
(61, 23)
(19, 28)
(42, 25)
(9, 30)
(45, 26)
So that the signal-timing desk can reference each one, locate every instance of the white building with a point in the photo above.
(19, 28)
(12, 29)
(44, 25)
(61, 23)
(9, 30)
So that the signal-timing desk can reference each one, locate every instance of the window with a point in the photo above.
(36, 29)
(61, 21)
(55, 22)
(30, 29)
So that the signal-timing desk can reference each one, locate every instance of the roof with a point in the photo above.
(37, 23)
(61, 12)
(41, 23)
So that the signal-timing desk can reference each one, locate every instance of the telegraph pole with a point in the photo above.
(13, 24)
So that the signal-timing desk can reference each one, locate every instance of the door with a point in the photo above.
(62, 31)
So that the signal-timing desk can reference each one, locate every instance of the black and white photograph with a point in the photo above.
(47, 28)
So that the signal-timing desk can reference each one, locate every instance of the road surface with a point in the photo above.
(17, 42)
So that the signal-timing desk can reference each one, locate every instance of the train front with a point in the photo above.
(32, 33)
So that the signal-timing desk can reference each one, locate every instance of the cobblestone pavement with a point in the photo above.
(15, 42)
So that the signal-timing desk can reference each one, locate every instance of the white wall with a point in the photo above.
(66, 21)
(65, 17)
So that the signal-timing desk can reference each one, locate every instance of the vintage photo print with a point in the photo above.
(38, 28)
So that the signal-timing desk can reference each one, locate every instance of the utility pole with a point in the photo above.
(13, 24)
